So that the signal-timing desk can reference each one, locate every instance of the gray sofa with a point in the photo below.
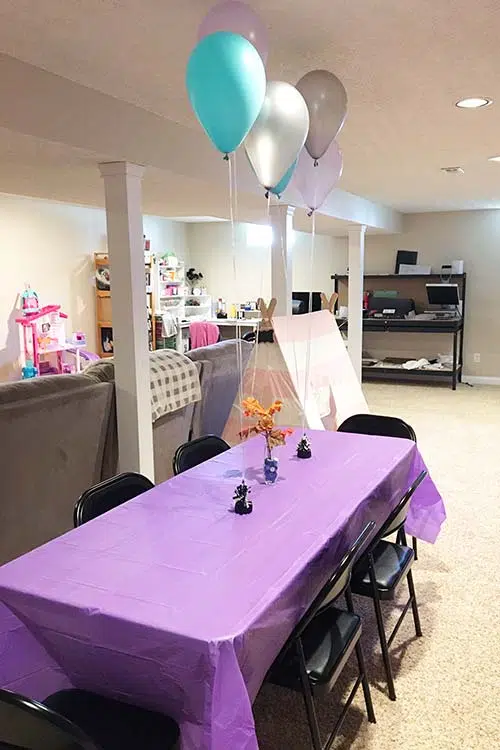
(53, 434)
(58, 437)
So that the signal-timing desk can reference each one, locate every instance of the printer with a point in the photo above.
(390, 307)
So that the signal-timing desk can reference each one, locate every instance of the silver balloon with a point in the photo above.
(279, 133)
(326, 100)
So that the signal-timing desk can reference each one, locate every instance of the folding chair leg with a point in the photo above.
(414, 606)
(381, 632)
(415, 552)
(365, 684)
(308, 700)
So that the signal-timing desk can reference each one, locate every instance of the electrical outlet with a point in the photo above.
(477, 358)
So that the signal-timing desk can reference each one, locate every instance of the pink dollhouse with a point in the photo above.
(43, 334)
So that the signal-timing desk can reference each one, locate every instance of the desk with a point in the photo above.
(172, 602)
(230, 328)
(411, 286)
(454, 327)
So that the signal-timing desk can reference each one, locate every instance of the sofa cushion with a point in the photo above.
(34, 388)
(220, 386)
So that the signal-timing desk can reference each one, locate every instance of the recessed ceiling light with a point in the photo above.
(494, 158)
(452, 170)
(474, 102)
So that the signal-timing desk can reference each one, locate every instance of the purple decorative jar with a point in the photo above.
(270, 470)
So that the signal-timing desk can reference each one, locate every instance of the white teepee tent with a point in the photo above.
(278, 369)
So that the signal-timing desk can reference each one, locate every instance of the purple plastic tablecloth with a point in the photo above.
(174, 603)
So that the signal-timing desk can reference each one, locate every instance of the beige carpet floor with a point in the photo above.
(448, 682)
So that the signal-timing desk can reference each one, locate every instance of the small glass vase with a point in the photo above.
(270, 469)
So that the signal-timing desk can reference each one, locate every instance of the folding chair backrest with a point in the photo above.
(398, 515)
(28, 725)
(336, 584)
(377, 424)
(108, 495)
(197, 451)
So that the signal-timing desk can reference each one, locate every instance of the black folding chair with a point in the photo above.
(314, 656)
(377, 424)
(78, 720)
(26, 724)
(108, 495)
(382, 569)
(197, 451)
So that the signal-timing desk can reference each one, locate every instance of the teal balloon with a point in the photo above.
(282, 185)
(226, 83)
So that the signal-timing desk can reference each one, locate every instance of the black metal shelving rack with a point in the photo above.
(412, 285)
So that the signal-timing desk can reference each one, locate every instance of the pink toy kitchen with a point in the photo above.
(44, 342)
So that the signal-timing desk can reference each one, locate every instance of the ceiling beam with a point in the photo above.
(53, 108)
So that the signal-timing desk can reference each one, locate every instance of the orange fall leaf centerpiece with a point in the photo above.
(274, 436)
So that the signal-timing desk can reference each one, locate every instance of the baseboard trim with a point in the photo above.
(480, 380)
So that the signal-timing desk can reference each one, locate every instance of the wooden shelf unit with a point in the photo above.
(104, 313)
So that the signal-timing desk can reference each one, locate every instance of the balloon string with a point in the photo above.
(239, 330)
(308, 351)
(239, 359)
(261, 295)
(235, 186)
(284, 253)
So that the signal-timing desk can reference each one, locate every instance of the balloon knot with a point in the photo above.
(226, 157)
(316, 162)
(266, 194)
(310, 213)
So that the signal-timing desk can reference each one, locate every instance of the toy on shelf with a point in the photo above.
(29, 300)
(104, 316)
(43, 335)
(79, 338)
(28, 371)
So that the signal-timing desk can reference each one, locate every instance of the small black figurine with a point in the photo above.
(243, 505)
(304, 448)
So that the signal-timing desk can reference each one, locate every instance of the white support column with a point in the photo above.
(355, 300)
(123, 193)
(281, 257)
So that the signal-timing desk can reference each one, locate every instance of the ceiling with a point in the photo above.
(404, 63)
(52, 171)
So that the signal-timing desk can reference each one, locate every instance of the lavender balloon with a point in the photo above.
(315, 183)
(238, 17)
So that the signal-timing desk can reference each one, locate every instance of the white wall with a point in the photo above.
(472, 236)
(51, 246)
(249, 276)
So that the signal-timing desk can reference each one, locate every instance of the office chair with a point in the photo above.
(109, 494)
(197, 451)
(376, 424)
(78, 720)
(318, 649)
(380, 571)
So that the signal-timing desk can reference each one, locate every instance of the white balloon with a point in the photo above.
(279, 133)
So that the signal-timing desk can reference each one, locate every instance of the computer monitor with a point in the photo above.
(301, 302)
(445, 295)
